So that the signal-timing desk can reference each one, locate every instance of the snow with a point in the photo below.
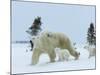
(21, 61)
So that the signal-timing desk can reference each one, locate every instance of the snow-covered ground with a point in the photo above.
(21, 61)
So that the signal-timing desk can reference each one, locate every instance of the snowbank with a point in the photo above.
(21, 59)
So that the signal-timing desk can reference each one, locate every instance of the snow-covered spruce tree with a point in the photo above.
(91, 35)
(34, 29)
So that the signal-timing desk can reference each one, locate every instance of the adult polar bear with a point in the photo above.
(47, 42)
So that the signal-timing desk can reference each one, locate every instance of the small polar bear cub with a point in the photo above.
(63, 54)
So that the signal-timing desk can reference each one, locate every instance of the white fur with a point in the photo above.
(63, 54)
(47, 41)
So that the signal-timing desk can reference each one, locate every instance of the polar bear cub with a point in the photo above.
(63, 54)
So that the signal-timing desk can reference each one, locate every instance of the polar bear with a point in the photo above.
(63, 54)
(47, 42)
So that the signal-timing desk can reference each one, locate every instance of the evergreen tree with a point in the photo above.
(91, 35)
(34, 29)
(36, 26)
